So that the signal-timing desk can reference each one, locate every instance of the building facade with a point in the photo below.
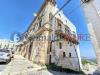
(51, 39)
(7, 44)
(91, 10)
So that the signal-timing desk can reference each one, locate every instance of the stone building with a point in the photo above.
(7, 44)
(91, 10)
(51, 39)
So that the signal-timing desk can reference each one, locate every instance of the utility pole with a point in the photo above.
(91, 10)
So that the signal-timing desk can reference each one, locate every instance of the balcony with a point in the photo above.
(58, 31)
(67, 37)
(43, 28)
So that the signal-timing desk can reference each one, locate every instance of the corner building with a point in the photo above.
(59, 43)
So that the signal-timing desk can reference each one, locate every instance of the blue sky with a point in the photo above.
(16, 16)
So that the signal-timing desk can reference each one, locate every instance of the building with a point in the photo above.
(51, 39)
(7, 44)
(91, 10)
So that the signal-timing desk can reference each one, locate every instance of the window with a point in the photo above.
(30, 50)
(50, 17)
(60, 45)
(59, 15)
(40, 23)
(33, 28)
(71, 44)
(64, 54)
(5, 46)
(67, 30)
(59, 37)
(36, 27)
(70, 54)
(59, 25)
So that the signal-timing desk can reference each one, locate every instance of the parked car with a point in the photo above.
(5, 55)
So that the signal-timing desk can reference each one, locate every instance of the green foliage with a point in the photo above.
(85, 61)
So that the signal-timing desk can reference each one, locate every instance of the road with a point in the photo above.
(2, 66)
(41, 72)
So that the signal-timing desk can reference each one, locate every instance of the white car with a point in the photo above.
(5, 55)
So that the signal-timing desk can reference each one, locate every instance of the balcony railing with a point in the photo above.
(58, 31)
(43, 28)
(68, 37)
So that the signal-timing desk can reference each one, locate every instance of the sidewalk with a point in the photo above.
(20, 66)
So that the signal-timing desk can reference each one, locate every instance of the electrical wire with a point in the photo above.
(67, 2)
(75, 8)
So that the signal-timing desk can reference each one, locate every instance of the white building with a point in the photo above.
(7, 44)
(62, 52)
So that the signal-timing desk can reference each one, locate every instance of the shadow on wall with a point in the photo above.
(52, 68)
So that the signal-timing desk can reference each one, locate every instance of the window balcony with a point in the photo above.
(67, 37)
(70, 38)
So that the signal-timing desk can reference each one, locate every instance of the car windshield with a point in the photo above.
(7, 51)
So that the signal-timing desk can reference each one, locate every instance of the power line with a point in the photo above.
(69, 12)
(60, 9)
(75, 8)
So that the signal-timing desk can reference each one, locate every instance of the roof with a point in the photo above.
(43, 5)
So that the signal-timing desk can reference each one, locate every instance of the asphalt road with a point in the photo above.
(2, 66)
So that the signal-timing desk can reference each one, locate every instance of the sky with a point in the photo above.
(17, 15)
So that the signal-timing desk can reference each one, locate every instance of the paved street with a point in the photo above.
(21, 66)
